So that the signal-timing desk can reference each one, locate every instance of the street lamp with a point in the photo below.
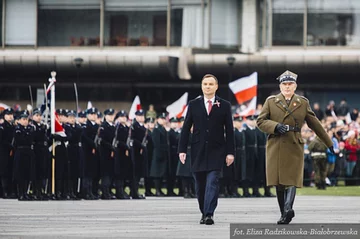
(78, 62)
(231, 61)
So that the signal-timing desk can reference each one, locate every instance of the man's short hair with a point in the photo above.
(208, 76)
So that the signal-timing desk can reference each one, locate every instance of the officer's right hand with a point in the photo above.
(182, 157)
(280, 128)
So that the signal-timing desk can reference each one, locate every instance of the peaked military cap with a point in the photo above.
(8, 111)
(174, 120)
(71, 113)
(251, 117)
(99, 114)
(82, 114)
(121, 113)
(37, 111)
(139, 112)
(150, 120)
(61, 111)
(162, 116)
(92, 110)
(181, 119)
(287, 76)
(238, 118)
(109, 111)
(23, 114)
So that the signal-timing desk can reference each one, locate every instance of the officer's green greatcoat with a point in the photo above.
(285, 153)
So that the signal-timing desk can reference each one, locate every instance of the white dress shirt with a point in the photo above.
(207, 104)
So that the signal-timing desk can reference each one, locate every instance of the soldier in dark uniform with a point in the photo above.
(148, 181)
(24, 156)
(106, 136)
(7, 154)
(122, 161)
(73, 131)
(82, 118)
(174, 157)
(252, 157)
(140, 137)
(42, 156)
(184, 173)
(180, 186)
(61, 159)
(90, 158)
(160, 162)
(240, 155)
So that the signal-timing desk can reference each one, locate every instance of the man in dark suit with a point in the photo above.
(212, 143)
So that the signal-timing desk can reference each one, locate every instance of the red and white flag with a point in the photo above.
(245, 91)
(136, 105)
(3, 106)
(177, 108)
(59, 130)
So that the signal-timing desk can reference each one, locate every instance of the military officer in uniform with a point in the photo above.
(24, 156)
(140, 137)
(160, 162)
(89, 148)
(106, 136)
(240, 156)
(7, 154)
(148, 181)
(282, 117)
(173, 156)
(252, 158)
(123, 165)
(42, 156)
(73, 131)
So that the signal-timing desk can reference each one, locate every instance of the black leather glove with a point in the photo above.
(280, 128)
(331, 148)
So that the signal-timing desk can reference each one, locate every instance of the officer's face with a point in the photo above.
(71, 119)
(288, 88)
(209, 86)
(92, 117)
(24, 121)
(173, 125)
(140, 118)
(9, 117)
(110, 118)
(122, 119)
(82, 120)
(151, 126)
(37, 118)
(161, 121)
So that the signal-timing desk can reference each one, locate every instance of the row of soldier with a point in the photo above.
(97, 153)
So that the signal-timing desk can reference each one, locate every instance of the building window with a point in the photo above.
(69, 23)
(287, 23)
(135, 23)
(333, 23)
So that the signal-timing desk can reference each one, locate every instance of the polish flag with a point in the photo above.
(59, 130)
(183, 114)
(245, 91)
(3, 106)
(177, 108)
(136, 105)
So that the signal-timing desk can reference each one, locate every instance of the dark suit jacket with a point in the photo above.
(213, 135)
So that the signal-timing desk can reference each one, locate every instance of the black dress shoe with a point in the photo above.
(209, 220)
(138, 197)
(202, 220)
(149, 194)
(171, 194)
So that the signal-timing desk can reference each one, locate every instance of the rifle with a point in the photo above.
(129, 140)
(144, 140)
(97, 139)
(115, 141)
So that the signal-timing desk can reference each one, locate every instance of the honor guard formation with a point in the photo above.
(98, 155)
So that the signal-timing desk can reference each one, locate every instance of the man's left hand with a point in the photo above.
(229, 159)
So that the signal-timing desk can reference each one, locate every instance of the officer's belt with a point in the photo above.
(292, 128)
(76, 144)
(41, 143)
(317, 154)
(240, 147)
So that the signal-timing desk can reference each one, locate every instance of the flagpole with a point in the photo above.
(52, 81)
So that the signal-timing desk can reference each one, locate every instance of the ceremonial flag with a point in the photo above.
(245, 91)
(177, 108)
(136, 105)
